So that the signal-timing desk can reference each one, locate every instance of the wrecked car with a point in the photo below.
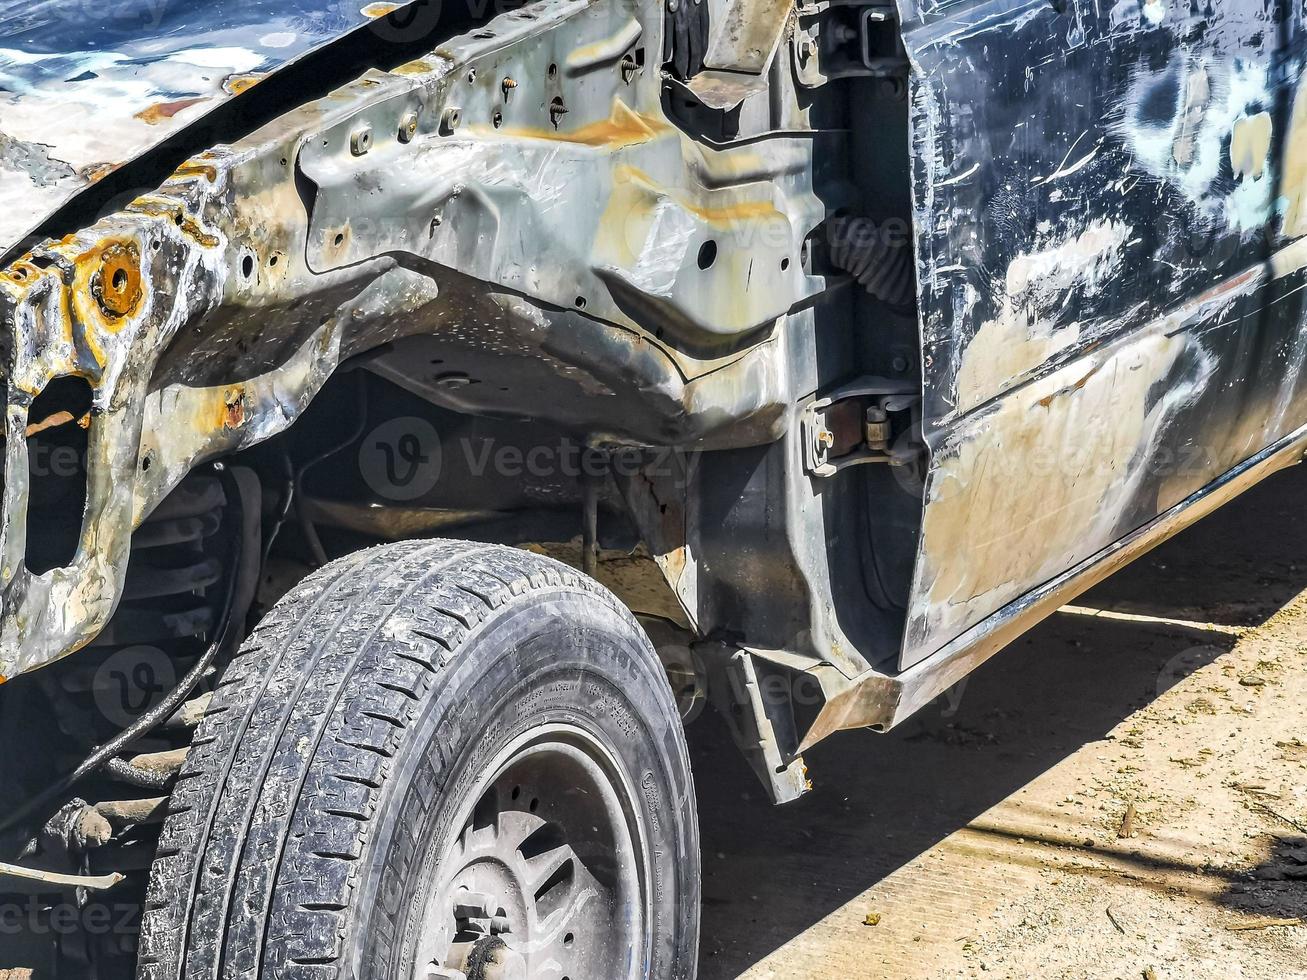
(416, 413)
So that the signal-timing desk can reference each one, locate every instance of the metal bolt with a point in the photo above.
(408, 127)
(629, 68)
(450, 119)
(557, 110)
(360, 141)
(507, 85)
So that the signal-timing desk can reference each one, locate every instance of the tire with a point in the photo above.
(342, 772)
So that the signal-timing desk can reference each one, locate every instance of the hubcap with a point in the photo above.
(546, 879)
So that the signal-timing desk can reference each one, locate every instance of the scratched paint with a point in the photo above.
(1096, 192)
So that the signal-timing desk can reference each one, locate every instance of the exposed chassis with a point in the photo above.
(528, 197)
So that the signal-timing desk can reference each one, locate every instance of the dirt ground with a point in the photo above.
(989, 836)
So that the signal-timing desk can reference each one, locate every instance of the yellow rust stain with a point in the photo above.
(160, 111)
(375, 10)
(114, 278)
(197, 168)
(21, 271)
(337, 242)
(52, 422)
(731, 214)
(97, 171)
(232, 412)
(178, 217)
(1250, 145)
(417, 67)
(623, 127)
(236, 84)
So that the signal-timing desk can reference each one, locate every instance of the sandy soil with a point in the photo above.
(989, 837)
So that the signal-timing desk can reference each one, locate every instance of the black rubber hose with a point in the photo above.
(166, 708)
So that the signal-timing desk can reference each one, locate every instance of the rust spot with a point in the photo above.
(338, 241)
(21, 271)
(379, 9)
(49, 422)
(116, 284)
(178, 217)
(732, 213)
(1069, 389)
(196, 168)
(233, 408)
(622, 128)
(160, 111)
(418, 67)
(236, 84)
(95, 172)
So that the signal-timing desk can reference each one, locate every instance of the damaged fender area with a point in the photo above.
(454, 197)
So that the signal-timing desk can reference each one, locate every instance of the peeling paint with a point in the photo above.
(1029, 330)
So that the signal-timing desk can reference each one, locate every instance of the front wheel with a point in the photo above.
(434, 760)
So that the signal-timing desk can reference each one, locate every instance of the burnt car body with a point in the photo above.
(858, 336)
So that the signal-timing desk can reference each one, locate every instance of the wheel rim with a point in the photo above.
(546, 878)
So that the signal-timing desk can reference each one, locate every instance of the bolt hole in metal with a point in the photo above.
(707, 254)
(548, 877)
(247, 266)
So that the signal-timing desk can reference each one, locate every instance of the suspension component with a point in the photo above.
(193, 570)
(878, 259)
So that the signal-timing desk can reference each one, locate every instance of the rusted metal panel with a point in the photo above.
(1107, 199)
(205, 316)
(88, 87)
